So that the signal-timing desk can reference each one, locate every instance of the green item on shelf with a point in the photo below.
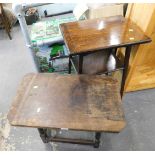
(56, 50)
(51, 70)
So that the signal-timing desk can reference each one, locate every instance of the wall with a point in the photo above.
(56, 8)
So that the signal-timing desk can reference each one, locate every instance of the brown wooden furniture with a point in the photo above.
(4, 21)
(72, 102)
(141, 73)
(107, 34)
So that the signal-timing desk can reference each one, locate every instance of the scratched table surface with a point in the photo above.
(77, 102)
(101, 33)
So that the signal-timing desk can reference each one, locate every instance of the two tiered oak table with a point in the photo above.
(78, 102)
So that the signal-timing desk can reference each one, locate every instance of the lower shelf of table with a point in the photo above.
(118, 65)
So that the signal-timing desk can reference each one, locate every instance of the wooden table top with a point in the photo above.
(101, 33)
(78, 102)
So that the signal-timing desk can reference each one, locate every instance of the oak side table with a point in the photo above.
(68, 102)
(89, 36)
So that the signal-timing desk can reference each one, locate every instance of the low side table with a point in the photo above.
(89, 36)
(72, 102)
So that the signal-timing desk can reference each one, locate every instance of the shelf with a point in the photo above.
(114, 64)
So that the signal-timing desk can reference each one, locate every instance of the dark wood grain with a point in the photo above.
(101, 33)
(78, 102)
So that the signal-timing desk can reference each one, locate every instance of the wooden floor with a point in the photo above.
(142, 78)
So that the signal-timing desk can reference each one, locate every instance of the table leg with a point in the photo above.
(114, 51)
(126, 64)
(69, 65)
(43, 135)
(97, 139)
(80, 64)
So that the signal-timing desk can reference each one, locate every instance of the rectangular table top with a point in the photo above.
(101, 33)
(78, 102)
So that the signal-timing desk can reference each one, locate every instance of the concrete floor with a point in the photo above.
(15, 62)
